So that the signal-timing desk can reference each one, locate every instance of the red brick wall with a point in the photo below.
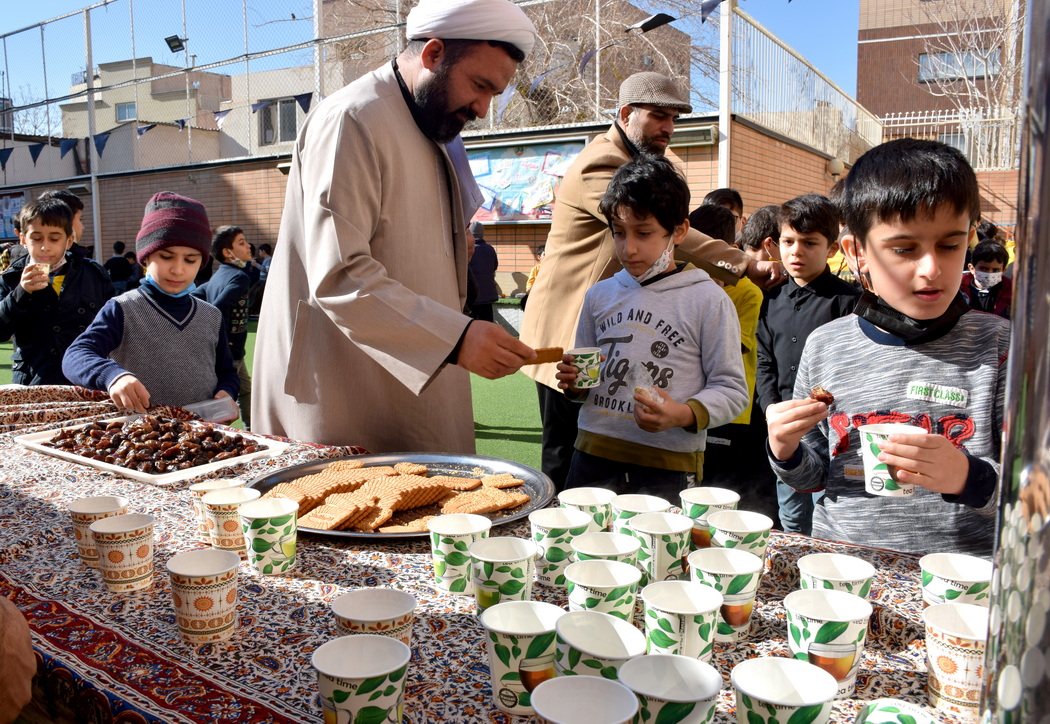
(999, 191)
(767, 170)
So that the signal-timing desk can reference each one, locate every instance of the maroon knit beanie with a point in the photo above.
(173, 220)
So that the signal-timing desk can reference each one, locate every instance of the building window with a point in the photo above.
(125, 112)
(956, 66)
(277, 122)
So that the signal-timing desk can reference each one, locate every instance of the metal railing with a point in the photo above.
(989, 137)
(777, 88)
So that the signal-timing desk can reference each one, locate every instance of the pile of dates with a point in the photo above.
(153, 444)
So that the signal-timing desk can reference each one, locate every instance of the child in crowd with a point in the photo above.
(228, 289)
(119, 268)
(760, 237)
(984, 286)
(49, 296)
(912, 352)
(157, 344)
(732, 200)
(670, 339)
(540, 253)
(76, 205)
(813, 296)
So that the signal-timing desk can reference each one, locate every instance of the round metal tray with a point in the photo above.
(537, 485)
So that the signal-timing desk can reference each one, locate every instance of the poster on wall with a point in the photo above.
(519, 182)
(10, 204)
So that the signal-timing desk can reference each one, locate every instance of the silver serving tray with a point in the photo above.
(537, 485)
(35, 441)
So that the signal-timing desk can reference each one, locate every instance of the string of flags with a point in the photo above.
(66, 145)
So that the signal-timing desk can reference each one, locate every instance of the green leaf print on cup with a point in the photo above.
(806, 714)
(830, 631)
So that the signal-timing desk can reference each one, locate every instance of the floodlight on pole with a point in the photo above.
(176, 44)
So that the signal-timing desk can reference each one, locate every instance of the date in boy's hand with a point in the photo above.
(129, 394)
(659, 416)
(930, 461)
(789, 421)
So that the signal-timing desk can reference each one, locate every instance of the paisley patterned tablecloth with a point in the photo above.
(118, 658)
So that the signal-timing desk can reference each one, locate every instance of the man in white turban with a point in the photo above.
(362, 339)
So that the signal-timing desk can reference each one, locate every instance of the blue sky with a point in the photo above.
(824, 31)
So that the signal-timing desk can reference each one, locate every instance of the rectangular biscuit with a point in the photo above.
(503, 480)
(325, 517)
(456, 483)
(411, 469)
(546, 355)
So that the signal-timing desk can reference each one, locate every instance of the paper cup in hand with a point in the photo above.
(450, 540)
(955, 641)
(776, 691)
(587, 361)
(835, 571)
(878, 476)
(594, 501)
(197, 491)
(224, 522)
(125, 551)
(828, 629)
(584, 701)
(698, 503)
(955, 578)
(680, 618)
(553, 529)
(736, 575)
(84, 512)
(520, 640)
(380, 611)
(673, 688)
(502, 569)
(204, 591)
(590, 643)
(270, 533)
(362, 678)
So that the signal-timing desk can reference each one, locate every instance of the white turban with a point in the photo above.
(472, 20)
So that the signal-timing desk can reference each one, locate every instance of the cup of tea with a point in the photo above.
(553, 529)
(955, 578)
(502, 569)
(776, 691)
(450, 540)
(590, 643)
(835, 571)
(625, 507)
(270, 529)
(521, 644)
(673, 688)
(125, 551)
(588, 364)
(736, 575)
(584, 700)
(741, 530)
(956, 634)
(665, 545)
(697, 503)
(606, 547)
(380, 611)
(224, 521)
(606, 586)
(680, 618)
(362, 673)
(593, 501)
(204, 591)
(197, 491)
(880, 478)
(84, 512)
(828, 629)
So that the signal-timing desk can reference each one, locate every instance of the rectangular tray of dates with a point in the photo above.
(160, 450)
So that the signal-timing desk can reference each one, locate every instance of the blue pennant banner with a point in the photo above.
(5, 153)
(100, 142)
(34, 151)
(260, 105)
(67, 145)
(143, 129)
(303, 99)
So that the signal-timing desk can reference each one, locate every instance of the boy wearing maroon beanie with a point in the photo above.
(157, 344)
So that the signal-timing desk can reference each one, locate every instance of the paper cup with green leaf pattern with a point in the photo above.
(362, 678)
(673, 689)
(774, 690)
(590, 643)
(742, 530)
(894, 711)
(836, 572)
(520, 641)
(697, 503)
(592, 700)
(502, 569)
(553, 529)
(624, 507)
(736, 575)
(828, 629)
(607, 547)
(606, 586)
(594, 501)
(665, 545)
(588, 364)
(955, 578)
(880, 478)
(450, 539)
(680, 618)
(270, 533)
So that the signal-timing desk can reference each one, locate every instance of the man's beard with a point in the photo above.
(646, 145)
(439, 123)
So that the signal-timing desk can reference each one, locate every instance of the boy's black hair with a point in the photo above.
(762, 224)
(48, 212)
(727, 197)
(541, 249)
(648, 185)
(714, 220)
(811, 214)
(118, 248)
(223, 239)
(903, 178)
(71, 199)
(268, 248)
(989, 250)
(987, 231)
(16, 221)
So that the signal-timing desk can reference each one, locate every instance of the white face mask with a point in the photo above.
(239, 263)
(661, 264)
(987, 280)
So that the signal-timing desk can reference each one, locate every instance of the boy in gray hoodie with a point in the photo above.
(670, 341)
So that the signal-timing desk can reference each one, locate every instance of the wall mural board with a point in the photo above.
(519, 182)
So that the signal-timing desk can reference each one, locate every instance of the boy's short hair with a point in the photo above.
(811, 214)
(760, 225)
(119, 247)
(542, 248)
(223, 240)
(268, 248)
(648, 185)
(989, 250)
(47, 212)
(726, 197)
(714, 220)
(987, 231)
(903, 178)
(71, 200)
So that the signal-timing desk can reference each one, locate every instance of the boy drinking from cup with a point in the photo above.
(912, 352)
(671, 343)
(157, 344)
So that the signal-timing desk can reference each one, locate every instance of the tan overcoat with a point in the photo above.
(365, 291)
(580, 252)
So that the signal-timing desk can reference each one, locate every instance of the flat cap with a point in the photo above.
(652, 89)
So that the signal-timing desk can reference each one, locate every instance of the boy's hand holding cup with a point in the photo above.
(580, 368)
(35, 277)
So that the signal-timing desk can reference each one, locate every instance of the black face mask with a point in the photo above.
(912, 331)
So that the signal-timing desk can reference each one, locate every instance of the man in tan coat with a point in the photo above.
(362, 339)
(580, 250)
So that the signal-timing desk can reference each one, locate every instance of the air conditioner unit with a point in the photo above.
(80, 189)
(696, 136)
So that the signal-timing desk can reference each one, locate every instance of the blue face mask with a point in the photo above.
(149, 282)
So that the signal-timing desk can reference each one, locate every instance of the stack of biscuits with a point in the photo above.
(346, 495)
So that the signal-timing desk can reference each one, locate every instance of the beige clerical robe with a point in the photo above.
(365, 292)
